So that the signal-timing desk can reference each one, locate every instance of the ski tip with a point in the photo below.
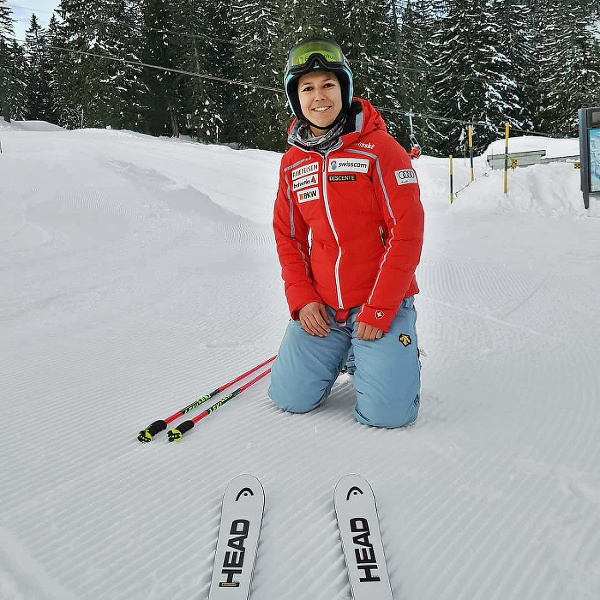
(245, 479)
(351, 486)
(350, 477)
(245, 486)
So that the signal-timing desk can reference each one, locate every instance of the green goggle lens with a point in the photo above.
(300, 55)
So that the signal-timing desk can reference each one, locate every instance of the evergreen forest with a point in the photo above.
(213, 69)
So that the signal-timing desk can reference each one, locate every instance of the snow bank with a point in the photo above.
(29, 126)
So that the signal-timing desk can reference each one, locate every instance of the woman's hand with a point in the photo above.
(368, 332)
(314, 320)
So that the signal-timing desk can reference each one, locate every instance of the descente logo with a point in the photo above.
(348, 177)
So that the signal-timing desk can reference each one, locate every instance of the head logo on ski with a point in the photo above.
(358, 525)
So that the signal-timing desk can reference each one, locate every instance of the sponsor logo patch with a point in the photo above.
(305, 170)
(360, 165)
(379, 314)
(405, 176)
(348, 177)
(405, 340)
(364, 145)
(305, 182)
(308, 195)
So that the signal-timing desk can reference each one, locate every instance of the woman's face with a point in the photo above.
(320, 97)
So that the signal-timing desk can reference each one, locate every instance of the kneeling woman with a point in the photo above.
(349, 230)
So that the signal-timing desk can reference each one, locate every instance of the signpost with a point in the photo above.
(589, 151)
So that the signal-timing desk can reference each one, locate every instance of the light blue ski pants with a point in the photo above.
(386, 371)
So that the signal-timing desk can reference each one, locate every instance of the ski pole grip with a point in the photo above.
(147, 434)
(157, 427)
(176, 433)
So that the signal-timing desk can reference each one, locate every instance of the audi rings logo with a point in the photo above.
(404, 176)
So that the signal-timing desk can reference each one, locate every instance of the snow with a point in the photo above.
(138, 274)
(30, 126)
(554, 147)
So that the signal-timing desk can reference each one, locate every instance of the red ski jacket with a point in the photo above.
(349, 224)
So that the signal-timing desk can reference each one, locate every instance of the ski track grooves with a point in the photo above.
(136, 292)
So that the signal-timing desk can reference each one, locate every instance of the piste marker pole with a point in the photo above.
(175, 435)
(147, 434)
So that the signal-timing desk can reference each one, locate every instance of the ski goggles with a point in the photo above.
(328, 53)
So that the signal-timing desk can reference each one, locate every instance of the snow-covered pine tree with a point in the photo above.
(569, 66)
(166, 27)
(75, 35)
(368, 33)
(312, 18)
(96, 36)
(7, 30)
(472, 81)
(418, 22)
(39, 102)
(515, 40)
(132, 113)
(7, 36)
(208, 53)
(67, 112)
(117, 83)
(16, 81)
(257, 115)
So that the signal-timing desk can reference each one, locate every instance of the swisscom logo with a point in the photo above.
(358, 165)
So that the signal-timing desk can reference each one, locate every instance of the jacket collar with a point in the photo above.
(363, 118)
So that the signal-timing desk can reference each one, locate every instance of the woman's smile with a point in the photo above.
(320, 97)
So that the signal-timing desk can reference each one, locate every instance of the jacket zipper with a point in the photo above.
(335, 235)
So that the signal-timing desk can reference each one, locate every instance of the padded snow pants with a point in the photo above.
(386, 371)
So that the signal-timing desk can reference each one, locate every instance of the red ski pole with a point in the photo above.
(175, 434)
(146, 435)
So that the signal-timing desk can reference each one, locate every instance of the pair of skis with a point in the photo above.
(358, 523)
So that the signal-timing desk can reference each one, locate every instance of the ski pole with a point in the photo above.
(146, 435)
(174, 435)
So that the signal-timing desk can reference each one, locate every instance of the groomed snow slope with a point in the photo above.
(138, 274)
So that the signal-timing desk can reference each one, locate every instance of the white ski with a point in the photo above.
(241, 519)
(358, 524)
